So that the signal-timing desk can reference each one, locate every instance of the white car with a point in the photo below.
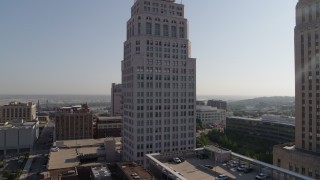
(261, 176)
(222, 177)
(176, 160)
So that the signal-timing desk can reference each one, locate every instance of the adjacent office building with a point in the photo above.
(158, 81)
(18, 136)
(116, 100)
(74, 123)
(273, 128)
(18, 111)
(304, 156)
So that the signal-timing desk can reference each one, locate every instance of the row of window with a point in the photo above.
(309, 12)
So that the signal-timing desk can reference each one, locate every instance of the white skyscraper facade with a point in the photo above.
(158, 81)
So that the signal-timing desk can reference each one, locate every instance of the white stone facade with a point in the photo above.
(18, 136)
(158, 81)
(211, 116)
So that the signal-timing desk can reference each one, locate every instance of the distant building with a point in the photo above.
(18, 136)
(116, 100)
(277, 129)
(17, 111)
(74, 123)
(217, 103)
(109, 126)
(211, 116)
(201, 102)
(303, 156)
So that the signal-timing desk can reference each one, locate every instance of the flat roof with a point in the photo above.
(69, 151)
(202, 108)
(194, 168)
(103, 118)
(80, 142)
(66, 158)
(129, 169)
(285, 171)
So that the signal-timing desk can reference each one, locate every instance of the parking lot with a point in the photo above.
(195, 168)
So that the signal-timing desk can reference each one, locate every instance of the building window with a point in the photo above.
(310, 13)
(157, 29)
(303, 170)
(181, 32)
(173, 31)
(165, 30)
(139, 28)
(148, 28)
(309, 172)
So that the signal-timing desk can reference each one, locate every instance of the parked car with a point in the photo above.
(241, 168)
(176, 160)
(247, 170)
(209, 166)
(222, 177)
(182, 159)
(261, 176)
(232, 163)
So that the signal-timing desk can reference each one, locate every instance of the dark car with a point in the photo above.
(247, 170)
(181, 159)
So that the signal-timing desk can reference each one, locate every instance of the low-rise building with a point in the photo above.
(109, 126)
(287, 156)
(277, 129)
(18, 136)
(211, 116)
(74, 122)
(17, 111)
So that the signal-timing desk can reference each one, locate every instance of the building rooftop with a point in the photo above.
(206, 168)
(83, 108)
(70, 150)
(100, 172)
(15, 103)
(80, 143)
(21, 125)
(202, 108)
(274, 120)
(134, 171)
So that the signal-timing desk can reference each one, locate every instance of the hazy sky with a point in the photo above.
(76, 46)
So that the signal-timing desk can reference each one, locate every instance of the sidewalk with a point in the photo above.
(27, 167)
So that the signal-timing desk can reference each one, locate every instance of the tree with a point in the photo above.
(26, 155)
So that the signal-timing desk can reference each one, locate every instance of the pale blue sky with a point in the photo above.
(76, 46)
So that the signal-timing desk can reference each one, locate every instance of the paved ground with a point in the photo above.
(41, 150)
(193, 169)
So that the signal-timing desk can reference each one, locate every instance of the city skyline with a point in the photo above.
(75, 47)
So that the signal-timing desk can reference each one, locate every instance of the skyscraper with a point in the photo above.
(307, 61)
(158, 81)
(304, 157)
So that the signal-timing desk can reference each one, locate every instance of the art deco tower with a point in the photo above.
(158, 81)
(307, 62)
(304, 156)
